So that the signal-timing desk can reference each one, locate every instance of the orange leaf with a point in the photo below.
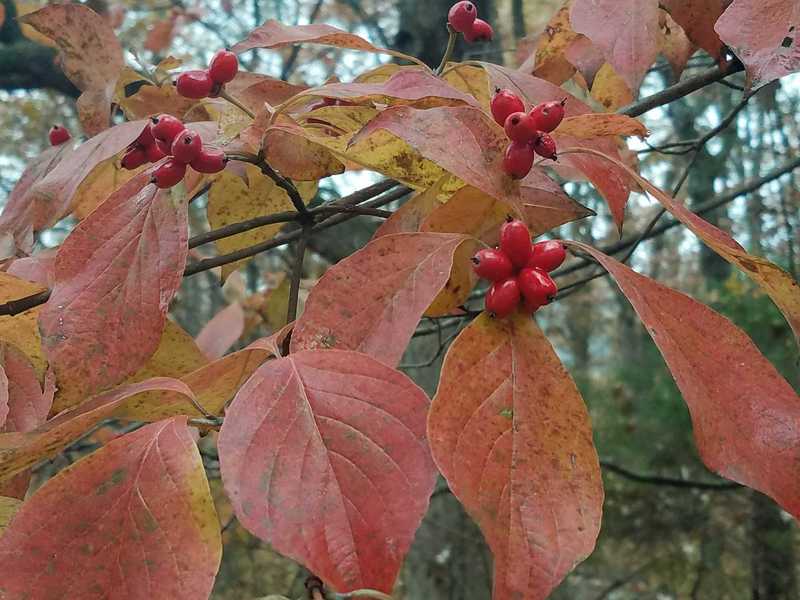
(515, 445)
(596, 125)
(136, 515)
(740, 423)
(373, 300)
(90, 55)
(105, 316)
(697, 19)
(342, 457)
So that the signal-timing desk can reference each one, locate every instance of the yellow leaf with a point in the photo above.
(231, 200)
(22, 330)
(104, 179)
(551, 64)
(24, 8)
(8, 506)
(471, 80)
(610, 90)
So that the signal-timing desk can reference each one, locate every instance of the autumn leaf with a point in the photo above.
(110, 515)
(273, 34)
(17, 219)
(342, 457)
(8, 506)
(549, 59)
(296, 157)
(372, 300)
(90, 55)
(222, 331)
(21, 330)
(160, 34)
(137, 241)
(674, 44)
(777, 283)
(515, 446)
(38, 268)
(103, 180)
(610, 90)
(740, 423)
(625, 31)
(769, 46)
(582, 53)
(593, 125)
(232, 200)
(19, 451)
(51, 197)
(410, 216)
(697, 19)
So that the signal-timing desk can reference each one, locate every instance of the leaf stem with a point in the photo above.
(226, 96)
(297, 273)
(448, 53)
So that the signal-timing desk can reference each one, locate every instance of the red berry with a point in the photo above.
(134, 158)
(520, 127)
(58, 135)
(145, 138)
(548, 115)
(480, 31)
(504, 103)
(210, 160)
(223, 67)
(545, 146)
(187, 146)
(515, 241)
(169, 174)
(518, 159)
(503, 297)
(461, 16)
(194, 84)
(155, 152)
(492, 264)
(166, 127)
(548, 255)
(537, 288)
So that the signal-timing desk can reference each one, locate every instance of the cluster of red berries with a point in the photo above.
(529, 132)
(207, 83)
(58, 135)
(167, 136)
(518, 270)
(463, 18)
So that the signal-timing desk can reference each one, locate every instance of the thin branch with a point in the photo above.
(288, 66)
(282, 182)
(668, 481)
(448, 52)
(297, 273)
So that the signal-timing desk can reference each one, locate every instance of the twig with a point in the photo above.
(20, 305)
(297, 273)
(282, 182)
(288, 66)
(668, 481)
(226, 96)
(448, 52)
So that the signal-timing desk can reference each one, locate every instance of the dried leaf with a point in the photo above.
(673, 43)
(551, 62)
(90, 55)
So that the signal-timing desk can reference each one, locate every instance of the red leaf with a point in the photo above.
(323, 455)
(626, 31)
(742, 422)
(422, 89)
(511, 434)
(160, 34)
(90, 55)
(769, 44)
(16, 222)
(610, 182)
(134, 519)
(583, 54)
(18, 452)
(50, 198)
(105, 315)
(697, 18)
(409, 217)
(222, 331)
(373, 300)
(273, 34)
(38, 268)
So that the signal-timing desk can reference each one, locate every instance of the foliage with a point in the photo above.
(327, 450)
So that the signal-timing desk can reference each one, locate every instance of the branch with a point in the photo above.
(668, 481)
(680, 89)
(288, 67)
(297, 273)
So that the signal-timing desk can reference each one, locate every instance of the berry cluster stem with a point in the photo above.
(448, 52)
(282, 182)
(226, 96)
